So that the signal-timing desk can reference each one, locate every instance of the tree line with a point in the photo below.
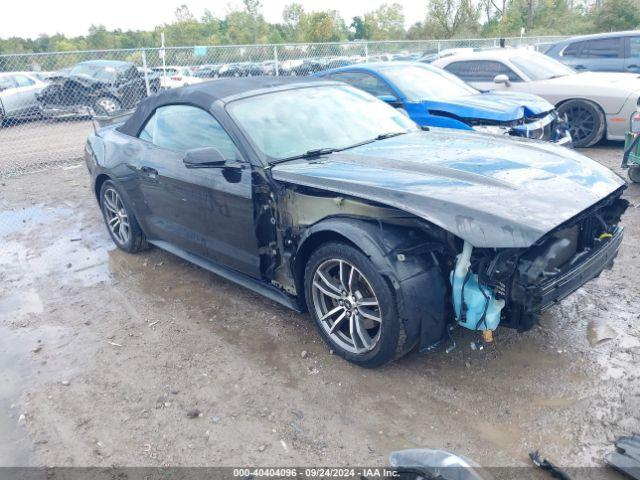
(443, 19)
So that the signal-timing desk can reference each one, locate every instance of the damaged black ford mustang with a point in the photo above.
(323, 198)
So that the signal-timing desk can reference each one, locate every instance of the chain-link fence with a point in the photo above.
(47, 100)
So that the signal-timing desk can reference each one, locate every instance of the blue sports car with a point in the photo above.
(431, 96)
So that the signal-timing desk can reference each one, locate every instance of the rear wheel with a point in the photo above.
(586, 122)
(353, 306)
(121, 223)
(634, 173)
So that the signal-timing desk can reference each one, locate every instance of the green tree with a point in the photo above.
(325, 26)
(358, 29)
(385, 23)
(613, 15)
(453, 18)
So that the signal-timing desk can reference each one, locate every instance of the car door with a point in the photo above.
(130, 87)
(632, 56)
(26, 93)
(9, 95)
(482, 73)
(601, 55)
(206, 211)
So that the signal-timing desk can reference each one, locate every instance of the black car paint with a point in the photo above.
(73, 94)
(231, 220)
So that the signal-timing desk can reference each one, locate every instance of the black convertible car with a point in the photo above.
(321, 197)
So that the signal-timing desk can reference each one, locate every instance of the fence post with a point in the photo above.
(366, 52)
(275, 60)
(146, 71)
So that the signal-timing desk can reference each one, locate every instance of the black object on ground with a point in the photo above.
(546, 465)
(626, 458)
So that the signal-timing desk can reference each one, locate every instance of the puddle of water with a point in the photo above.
(15, 220)
(41, 242)
(20, 369)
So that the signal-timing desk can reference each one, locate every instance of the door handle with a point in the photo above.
(633, 66)
(149, 172)
(580, 67)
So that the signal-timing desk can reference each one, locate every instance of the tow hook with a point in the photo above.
(487, 336)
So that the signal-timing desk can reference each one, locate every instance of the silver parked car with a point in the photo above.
(18, 95)
(602, 52)
(596, 104)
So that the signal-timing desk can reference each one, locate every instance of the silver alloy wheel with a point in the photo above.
(346, 306)
(108, 105)
(116, 215)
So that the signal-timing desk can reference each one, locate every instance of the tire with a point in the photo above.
(634, 173)
(586, 122)
(386, 337)
(130, 239)
(106, 105)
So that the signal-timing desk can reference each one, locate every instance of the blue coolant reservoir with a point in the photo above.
(477, 297)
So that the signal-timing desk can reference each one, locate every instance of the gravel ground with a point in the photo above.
(36, 145)
(105, 355)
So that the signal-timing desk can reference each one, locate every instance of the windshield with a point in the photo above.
(419, 83)
(292, 122)
(99, 72)
(540, 67)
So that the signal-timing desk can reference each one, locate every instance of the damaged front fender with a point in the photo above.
(405, 259)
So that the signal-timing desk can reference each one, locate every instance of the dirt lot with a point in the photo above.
(103, 355)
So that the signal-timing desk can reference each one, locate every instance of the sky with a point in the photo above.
(73, 17)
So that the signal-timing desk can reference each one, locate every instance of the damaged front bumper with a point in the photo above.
(546, 127)
(540, 297)
(512, 286)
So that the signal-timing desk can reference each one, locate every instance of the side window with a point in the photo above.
(602, 48)
(23, 81)
(481, 71)
(131, 73)
(6, 82)
(182, 128)
(634, 47)
(573, 49)
(364, 81)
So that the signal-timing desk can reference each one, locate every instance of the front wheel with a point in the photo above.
(586, 122)
(353, 306)
(634, 173)
(121, 223)
(106, 106)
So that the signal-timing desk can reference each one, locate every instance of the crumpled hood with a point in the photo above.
(489, 190)
(499, 106)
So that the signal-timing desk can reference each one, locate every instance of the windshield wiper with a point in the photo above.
(383, 136)
(316, 152)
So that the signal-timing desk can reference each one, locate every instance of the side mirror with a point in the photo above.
(502, 78)
(208, 157)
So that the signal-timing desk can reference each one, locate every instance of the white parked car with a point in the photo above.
(173, 76)
(596, 104)
(18, 95)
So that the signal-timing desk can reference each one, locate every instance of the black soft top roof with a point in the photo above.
(204, 94)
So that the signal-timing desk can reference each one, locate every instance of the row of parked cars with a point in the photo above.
(517, 92)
